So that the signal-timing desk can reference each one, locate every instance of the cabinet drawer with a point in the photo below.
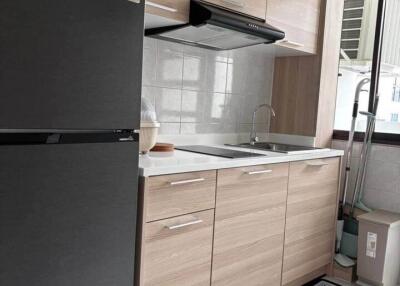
(174, 195)
(177, 251)
(255, 8)
(177, 10)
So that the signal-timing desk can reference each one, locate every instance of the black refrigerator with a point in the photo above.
(70, 85)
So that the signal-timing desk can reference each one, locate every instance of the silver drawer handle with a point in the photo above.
(187, 182)
(162, 7)
(177, 226)
(291, 43)
(317, 163)
(234, 3)
(259, 172)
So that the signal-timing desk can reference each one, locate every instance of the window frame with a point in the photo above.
(396, 91)
(377, 137)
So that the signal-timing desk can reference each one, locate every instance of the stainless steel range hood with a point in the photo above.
(218, 29)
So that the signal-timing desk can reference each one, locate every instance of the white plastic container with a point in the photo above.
(379, 248)
(148, 127)
(148, 136)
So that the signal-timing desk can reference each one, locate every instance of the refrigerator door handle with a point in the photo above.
(127, 139)
(133, 136)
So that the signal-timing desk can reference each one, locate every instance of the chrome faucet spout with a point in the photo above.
(253, 134)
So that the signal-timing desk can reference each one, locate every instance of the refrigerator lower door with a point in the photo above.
(70, 64)
(68, 214)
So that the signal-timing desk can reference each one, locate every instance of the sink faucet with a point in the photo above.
(253, 134)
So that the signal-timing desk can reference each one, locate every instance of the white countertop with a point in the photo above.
(163, 163)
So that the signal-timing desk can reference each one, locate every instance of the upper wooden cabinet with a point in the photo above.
(169, 12)
(305, 87)
(299, 19)
(254, 8)
(166, 12)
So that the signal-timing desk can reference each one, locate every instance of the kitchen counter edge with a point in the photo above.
(184, 162)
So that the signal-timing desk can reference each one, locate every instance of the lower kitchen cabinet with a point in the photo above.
(267, 225)
(178, 250)
(249, 226)
(310, 220)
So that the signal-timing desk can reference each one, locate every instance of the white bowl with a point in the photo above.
(148, 136)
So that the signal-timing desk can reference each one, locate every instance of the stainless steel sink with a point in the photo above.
(280, 148)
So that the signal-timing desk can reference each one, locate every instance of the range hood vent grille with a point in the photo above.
(214, 28)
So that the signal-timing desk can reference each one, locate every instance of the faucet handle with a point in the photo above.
(253, 140)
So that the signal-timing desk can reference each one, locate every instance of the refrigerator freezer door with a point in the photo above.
(68, 214)
(70, 64)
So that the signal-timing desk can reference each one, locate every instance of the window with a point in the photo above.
(383, 69)
(396, 91)
(389, 89)
(358, 26)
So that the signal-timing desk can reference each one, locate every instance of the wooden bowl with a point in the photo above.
(163, 147)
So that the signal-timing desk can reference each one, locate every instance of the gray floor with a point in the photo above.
(341, 282)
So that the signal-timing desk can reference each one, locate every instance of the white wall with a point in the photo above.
(382, 185)
(202, 91)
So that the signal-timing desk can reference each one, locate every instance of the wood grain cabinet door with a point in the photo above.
(177, 10)
(254, 8)
(299, 19)
(177, 251)
(249, 226)
(310, 220)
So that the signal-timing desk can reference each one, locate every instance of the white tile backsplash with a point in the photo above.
(199, 91)
(170, 128)
(168, 104)
(195, 72)
(382, 185)
(149, 60)
(169, 68)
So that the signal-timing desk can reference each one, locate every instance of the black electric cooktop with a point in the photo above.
(219, 152)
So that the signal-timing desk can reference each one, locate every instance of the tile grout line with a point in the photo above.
(181, 89)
